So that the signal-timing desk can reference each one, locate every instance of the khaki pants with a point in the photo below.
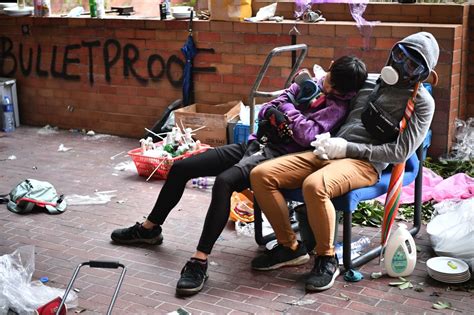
(320, 181)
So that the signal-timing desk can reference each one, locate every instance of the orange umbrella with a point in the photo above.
(392, 200)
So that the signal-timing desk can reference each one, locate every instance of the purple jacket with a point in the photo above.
(307, 124)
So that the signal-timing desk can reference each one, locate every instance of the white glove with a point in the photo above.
(319, 149)
(335, 148)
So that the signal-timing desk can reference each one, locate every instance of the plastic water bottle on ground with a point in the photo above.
(203, 182)
(8, 118)
(356, 247)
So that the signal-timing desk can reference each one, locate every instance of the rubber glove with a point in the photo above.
(335, 148)
(319, 149)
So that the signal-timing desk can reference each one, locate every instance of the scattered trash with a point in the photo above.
(44, 279)
(264, 13)
(11, 157)
(113, 157)
(125, 166)
(17, 291)
(451, 231)
(301, 302)
(77, 290)
(418, 289)
(62, 148)
(99, 198)
(345, 297)
(463, 148)
(79, 310)
(375, 275)
(440, 305)
(120, 201)
(203, 182)
(179, 311)
(245, 229)
(213, 263)
(48, 130)
(402, 284)
(35, 168)
(90, 133)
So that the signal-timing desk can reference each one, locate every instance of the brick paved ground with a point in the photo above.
(82, 233)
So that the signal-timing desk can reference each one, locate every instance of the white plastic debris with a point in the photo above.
(90, 133)
(99, 198)
(125, 166)
(301, 302)
(62, 148)
(11, 157)
(48, 130)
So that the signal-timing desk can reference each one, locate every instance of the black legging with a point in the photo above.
(229, 178)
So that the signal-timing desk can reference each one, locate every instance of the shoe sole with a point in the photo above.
(150, 241)
(190, 291)
(290, 263)
(311, 287)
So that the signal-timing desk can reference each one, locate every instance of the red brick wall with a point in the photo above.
(124, 106)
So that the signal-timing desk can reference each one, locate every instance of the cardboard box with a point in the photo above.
(214, 117)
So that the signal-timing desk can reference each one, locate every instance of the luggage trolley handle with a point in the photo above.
(303, 48)
(96, 264)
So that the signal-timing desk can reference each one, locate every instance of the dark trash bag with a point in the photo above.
(31, 192)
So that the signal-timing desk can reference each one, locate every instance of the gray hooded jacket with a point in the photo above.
(392, 99)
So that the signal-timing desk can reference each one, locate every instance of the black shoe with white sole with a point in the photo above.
(324, 273)
(193, 276)
(137, 234)
(281, 256)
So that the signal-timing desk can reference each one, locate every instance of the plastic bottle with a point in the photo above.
(400, 253)
(8, 118)
(356, 246)
(93, 8)
(100, 9)
(203, 182)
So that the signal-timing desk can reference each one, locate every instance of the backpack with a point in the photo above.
(30, 193)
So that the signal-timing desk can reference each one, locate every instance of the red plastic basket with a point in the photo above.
(146, 165)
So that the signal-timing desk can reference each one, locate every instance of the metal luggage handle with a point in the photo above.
(255, 92)
(96, 264)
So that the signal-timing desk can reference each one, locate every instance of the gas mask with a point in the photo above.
(403, 67)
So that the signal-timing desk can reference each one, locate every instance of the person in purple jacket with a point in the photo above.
(287, 124)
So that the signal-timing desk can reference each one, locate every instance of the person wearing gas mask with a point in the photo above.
(287, 124)
(365, 144)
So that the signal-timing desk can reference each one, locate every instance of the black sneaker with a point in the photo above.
(281, 256)
(325, 271)
(138, 234)
(193, 276)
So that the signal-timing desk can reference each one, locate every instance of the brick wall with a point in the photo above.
(136, 65)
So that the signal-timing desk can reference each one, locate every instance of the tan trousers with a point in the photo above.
(320, 181)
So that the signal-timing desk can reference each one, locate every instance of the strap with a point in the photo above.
(409, 108)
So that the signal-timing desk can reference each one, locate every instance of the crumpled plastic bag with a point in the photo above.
(17, 291)
(452, 229)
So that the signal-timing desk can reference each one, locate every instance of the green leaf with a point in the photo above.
(402, 279)
(396, 284)
(405, 285)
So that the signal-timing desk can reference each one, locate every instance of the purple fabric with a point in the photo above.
(307, 124)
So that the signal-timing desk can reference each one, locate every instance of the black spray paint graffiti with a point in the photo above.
(112, 52)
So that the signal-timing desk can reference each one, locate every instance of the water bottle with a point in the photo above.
(356, 246)
(8, 116)
(203, 182)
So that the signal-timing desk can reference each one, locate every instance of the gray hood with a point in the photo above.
(426, 45)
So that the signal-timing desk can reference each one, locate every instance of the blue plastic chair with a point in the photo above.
(347, 204)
